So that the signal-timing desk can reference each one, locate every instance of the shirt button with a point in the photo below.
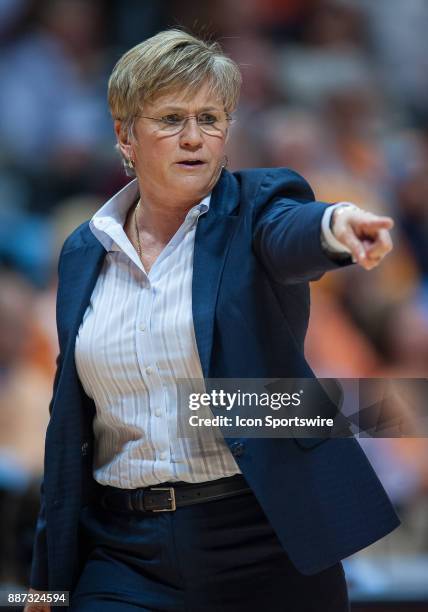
(157, 412)
(149, 371)
(142, 327)
(162, 455)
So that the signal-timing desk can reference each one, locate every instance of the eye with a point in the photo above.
(172, 119)
(207, 118)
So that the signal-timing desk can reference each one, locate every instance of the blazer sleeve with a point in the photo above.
(287, 229)
(39, 564)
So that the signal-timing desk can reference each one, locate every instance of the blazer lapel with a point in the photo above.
(80, 267)
(212, 240)
(79, 271)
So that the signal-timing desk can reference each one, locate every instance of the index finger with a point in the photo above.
(377, 222)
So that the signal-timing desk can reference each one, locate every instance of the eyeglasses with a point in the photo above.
(212, 123)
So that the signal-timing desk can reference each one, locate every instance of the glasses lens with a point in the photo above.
(172, 124)
(210, 123)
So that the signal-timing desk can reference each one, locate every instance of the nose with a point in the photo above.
(191, 135)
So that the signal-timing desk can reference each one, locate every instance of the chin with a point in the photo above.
(193, 184)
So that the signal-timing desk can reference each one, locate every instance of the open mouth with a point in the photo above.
(191, 162)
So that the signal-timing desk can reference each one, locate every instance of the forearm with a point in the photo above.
(289, 242)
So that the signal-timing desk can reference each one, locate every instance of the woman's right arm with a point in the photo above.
(39, 565)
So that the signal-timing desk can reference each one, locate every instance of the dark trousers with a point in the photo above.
(216, 556)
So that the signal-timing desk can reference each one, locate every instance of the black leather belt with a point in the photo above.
(171, 495)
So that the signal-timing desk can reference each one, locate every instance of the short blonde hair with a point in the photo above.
(170, 60)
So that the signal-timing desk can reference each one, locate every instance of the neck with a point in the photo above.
(160, 214)
(161, 219)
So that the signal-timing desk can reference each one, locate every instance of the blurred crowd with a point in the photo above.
(335, 89)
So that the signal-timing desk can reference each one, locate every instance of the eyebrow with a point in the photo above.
(181, 108)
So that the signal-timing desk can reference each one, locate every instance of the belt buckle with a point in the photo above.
(171, 499)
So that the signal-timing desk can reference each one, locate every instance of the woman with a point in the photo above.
(191, 272)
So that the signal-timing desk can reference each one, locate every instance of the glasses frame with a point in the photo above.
(229, 120)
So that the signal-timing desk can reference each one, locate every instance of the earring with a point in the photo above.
(225, 161)
(130, 163)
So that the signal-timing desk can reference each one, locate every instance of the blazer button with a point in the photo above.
(237, 449)
(84, 448)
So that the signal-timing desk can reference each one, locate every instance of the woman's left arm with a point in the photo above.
(287, 234)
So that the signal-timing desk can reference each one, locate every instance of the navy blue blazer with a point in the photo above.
(255, 252)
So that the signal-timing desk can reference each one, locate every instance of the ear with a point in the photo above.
(123, 140)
